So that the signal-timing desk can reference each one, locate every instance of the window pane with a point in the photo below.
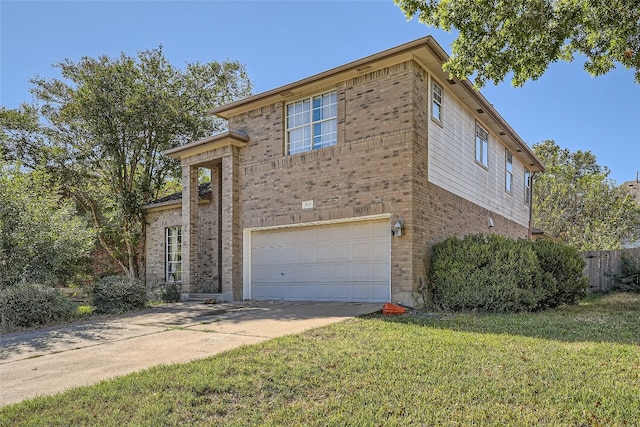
(311, 123)
(324, 134)
(299, 140)
(436, 111)
(317, 108)
(173, 254)
(485, 152)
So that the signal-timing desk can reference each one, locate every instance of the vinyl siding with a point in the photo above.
(452, 164)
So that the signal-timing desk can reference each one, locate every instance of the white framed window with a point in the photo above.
(482, 146)
(508, 171)
(173, 245)
(527, 187)
(312, 123)
(437, 98)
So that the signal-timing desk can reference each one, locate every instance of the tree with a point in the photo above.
(524, 36)
(101, 128)
(576, 202)
(42, 239)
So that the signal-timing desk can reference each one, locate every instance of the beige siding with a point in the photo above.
(452, 164)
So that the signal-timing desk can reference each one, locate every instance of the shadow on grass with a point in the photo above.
(613, 318)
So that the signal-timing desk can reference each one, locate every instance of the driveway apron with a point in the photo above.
(51, 360)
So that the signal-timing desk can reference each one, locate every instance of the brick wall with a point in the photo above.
(206, 264)
(379, 166)
(366, 173)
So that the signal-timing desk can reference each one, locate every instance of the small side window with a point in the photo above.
(508, 171)
(482, 146)
(173, 253)
(436, 102)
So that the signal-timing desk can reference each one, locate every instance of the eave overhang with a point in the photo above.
(426, 52)
(234, 138)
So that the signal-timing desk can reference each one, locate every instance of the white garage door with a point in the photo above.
(337, 262)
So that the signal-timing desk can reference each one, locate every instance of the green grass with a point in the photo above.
(576, 366)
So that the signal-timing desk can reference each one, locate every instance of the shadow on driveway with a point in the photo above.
(51, 360)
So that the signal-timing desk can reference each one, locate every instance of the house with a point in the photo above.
(333, 188)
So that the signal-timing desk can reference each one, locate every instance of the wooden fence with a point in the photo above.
(601, 265)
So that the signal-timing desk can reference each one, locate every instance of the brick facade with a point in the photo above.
(206, 270)
(379, 166)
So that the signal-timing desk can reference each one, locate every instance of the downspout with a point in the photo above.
(531, 180)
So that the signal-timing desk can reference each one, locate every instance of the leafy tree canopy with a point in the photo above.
(102, 126)
(575, 201)
(497, 37)
(42, 239)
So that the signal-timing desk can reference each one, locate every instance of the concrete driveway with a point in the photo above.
(51, 360)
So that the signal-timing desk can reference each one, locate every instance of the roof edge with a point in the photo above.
(231, 134)
(406, 47)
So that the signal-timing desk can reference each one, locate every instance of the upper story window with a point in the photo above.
(436, 101)
(508, 171)
(312, 123)
(482, 146)
(527, 187)
(173, 241)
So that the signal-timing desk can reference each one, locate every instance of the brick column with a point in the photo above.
(189, 228)
(231, 250)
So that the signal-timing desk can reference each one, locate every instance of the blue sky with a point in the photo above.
(283, 41)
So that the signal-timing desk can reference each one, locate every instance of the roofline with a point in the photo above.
(406, 48)
(176, 152)
(169, 204)
(282, 90)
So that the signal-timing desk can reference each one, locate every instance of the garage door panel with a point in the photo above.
(267, 289)
(341, 272)
(322, 272)
(288, 253)
(341, 252)
(362, 271)
(306, 253)
(362, 291)
(305, 273)
(337, 262)
(378, 293)
(302, 236)
(364, 232)
(380, 249)
(324, 252)
(379, 269)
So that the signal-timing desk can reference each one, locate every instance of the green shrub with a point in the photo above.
(487, 273)
(563, 266)
(31, 304)
(164, 292)
(628, 278)
(117, 294)
(497, 274)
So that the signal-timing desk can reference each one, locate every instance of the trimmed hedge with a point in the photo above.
(563, 267)
(492, 273)
(31, 304)
(118, 294)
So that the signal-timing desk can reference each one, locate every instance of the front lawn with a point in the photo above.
(576, 366)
